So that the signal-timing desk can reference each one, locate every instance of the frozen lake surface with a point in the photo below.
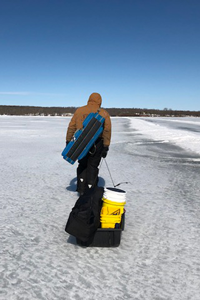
(159, 254)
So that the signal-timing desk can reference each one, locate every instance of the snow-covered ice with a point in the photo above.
(159, 254)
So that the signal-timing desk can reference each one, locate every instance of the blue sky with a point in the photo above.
(135, 53)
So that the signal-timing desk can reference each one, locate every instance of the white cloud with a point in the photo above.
(14, 93)
(31, 93)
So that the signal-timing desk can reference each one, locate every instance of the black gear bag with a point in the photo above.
(84, 218)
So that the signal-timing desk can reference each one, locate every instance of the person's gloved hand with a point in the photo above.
(104, 151)
(67, 142)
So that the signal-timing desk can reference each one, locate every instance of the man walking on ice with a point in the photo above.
(87, 170)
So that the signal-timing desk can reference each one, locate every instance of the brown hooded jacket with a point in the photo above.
(81, 113)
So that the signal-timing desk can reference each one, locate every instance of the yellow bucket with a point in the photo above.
(113, 207)
(109, 221)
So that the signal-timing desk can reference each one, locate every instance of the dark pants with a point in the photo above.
(87, 171)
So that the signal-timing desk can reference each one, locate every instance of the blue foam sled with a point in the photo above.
(84, 138)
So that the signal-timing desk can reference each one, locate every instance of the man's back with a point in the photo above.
(82, 112)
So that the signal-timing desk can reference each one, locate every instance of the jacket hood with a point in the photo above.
(95, 98)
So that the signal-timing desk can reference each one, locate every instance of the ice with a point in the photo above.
(158, 258)
(184, 132)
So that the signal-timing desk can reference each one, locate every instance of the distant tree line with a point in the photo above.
(35, 110)
(66, 111)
